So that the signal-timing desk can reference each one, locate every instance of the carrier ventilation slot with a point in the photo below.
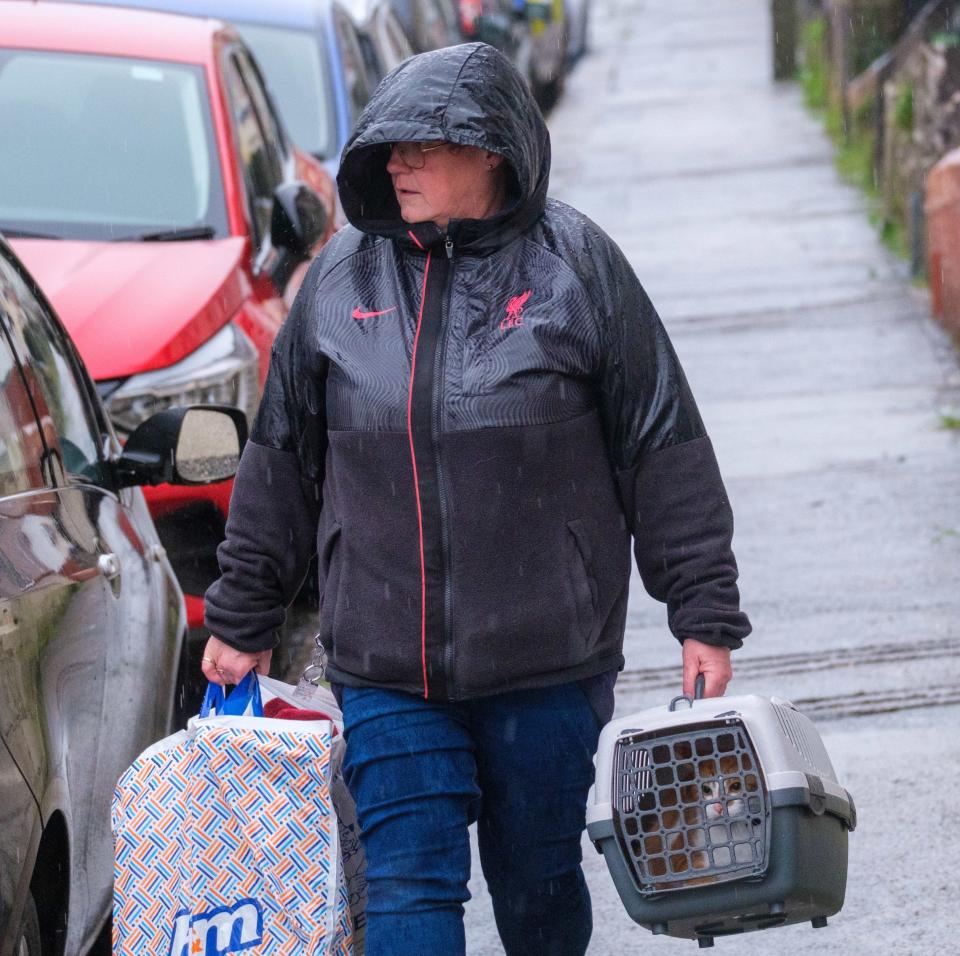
(690, 808)
(807, 743)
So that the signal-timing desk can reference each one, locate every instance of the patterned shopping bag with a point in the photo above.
(226, 841)
(317, 696)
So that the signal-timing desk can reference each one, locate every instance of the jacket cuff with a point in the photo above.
(714, 639)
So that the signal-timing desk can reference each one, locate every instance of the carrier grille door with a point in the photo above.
(691, 808)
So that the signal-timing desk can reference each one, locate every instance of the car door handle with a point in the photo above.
(109, 566)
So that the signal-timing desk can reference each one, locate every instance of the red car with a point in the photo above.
(149, 186)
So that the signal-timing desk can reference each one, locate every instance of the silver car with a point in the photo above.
(91, 617)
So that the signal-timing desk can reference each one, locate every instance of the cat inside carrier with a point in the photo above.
(720, 816)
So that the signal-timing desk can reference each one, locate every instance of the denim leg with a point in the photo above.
(535, 761)
(411, 769)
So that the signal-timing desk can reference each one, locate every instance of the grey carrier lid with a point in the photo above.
(794, 767)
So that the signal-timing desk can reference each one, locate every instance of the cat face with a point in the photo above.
(724, 793)
(704, 811)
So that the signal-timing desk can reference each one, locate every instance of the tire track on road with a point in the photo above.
(855, 703)
(802, 663)
(864, 703)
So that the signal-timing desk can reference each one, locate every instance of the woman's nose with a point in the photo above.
(395, 164)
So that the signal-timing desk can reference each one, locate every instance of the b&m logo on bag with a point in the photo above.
(227, 929)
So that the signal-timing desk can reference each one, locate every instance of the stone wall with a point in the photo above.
(921, 120)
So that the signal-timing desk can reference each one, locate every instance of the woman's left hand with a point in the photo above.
(222, 664)
(713, 662)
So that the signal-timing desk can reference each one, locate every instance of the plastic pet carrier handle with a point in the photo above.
(698, 688)
(243, 701)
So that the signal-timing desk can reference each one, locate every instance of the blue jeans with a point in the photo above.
(520, 765)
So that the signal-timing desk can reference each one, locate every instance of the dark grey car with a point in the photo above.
(429, 24)
(91, 617)
(382, 40)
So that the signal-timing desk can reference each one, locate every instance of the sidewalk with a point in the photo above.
(821, 380)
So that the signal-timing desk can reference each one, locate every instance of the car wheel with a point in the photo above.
(28, 938)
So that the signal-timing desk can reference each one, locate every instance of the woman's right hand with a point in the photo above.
(221, 664)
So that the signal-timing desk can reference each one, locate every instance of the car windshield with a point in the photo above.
(295, 67)
(102, 147)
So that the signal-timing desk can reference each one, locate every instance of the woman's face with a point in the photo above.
(455, 182)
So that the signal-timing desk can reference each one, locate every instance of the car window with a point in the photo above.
(296, 69)
(80, 161)
(58, 387)
(371, 59)
(354, 69)
(396, 41)
(433, 25)
(261, 172)
(21, 447)
(269, 121)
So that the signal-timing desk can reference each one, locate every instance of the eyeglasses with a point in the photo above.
(412, 154)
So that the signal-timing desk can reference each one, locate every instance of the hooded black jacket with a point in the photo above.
(469, 427)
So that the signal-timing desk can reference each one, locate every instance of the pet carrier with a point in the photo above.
(720, 816)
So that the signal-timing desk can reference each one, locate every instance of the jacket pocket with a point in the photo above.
(582, 576)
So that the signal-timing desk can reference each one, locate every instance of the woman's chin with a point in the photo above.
(412, 211)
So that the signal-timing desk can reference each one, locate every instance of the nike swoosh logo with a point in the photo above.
(359, 315)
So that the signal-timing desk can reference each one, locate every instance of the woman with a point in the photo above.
(469, 412)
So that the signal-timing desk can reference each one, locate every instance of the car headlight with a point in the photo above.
(223, 371)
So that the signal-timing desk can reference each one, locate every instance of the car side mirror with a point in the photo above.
(192, 445)
(297, 223)
(298, 220)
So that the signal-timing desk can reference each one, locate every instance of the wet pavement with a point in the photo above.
(822, 381)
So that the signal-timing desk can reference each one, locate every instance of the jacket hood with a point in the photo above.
(470, 95)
